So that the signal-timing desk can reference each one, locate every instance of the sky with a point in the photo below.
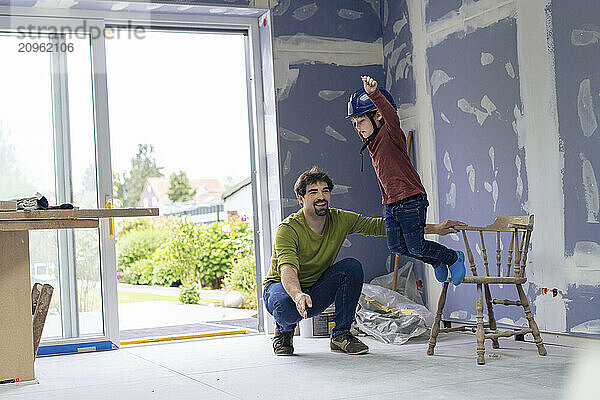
(184, 93)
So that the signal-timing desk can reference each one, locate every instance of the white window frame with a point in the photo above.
(266, 200)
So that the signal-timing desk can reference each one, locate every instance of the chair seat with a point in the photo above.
(494, 279)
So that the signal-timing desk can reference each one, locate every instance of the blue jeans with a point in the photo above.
(405, 228)
(342, 283)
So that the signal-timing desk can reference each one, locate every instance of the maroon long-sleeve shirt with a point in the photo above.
(396, 175)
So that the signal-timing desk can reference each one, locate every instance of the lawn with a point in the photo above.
(133, 297)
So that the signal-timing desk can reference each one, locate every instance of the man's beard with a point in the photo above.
(322, 210)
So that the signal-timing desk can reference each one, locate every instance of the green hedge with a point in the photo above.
(182, 252)
(242, 277)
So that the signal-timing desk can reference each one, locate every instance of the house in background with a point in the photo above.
(237, 200)
(205, 207)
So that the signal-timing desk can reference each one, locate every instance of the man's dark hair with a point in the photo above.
(308, 177)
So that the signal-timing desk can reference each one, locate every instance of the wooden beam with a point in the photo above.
(79, 213)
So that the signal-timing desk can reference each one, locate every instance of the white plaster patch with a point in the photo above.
(510, 70)
(448, 162)
(184, 8)
(590, 186)
(292, 136)
(505, 321)
(349, 14)
(445, 119)
(60, 3)
(454, 237)
(585, 109)
(386, 12)
(519, 177)
(291, 79)
(486, 58)
(591, 327)
(451, 196)
(334, 134)
(439, 78)
(488, 105)
(398, 25)
(403, 67)
(306, 49)
(347, 243)
(118, 6)
(466, 107)
(396, 55)
(281, 7)
(551, 312)
(287, 163)
(305, 12)
(492, 154)
(470, 17)
(588, 34)
(492, 188)
(522, 322)
(459, 314)
(471, 177)
(330, 95)
(340, 189)
(583, 267)
(477, 248)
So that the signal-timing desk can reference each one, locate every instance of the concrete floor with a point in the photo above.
(244, 367)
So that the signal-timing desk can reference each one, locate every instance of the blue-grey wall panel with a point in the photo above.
(438, 8)
(474, 95)
(398, 49)
(313, 131)
(576, 31)
(355, 20)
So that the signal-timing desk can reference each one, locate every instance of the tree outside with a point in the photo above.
(180, 189)
(143, 166)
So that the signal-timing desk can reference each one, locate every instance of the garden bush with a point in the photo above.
(242, 277)
(139, 272)
(138, 245)
(189, 294)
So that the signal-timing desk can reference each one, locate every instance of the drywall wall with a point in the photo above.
(321, 48)
(511, 100)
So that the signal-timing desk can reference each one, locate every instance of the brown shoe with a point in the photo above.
(348, 343)
(283, 343)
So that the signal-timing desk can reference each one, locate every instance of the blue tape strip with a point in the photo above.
(75, 348)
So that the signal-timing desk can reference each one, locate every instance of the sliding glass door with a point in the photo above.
(47, 146)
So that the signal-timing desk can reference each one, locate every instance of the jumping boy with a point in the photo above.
(373, 115)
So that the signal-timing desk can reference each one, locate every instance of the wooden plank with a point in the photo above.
(8, 205)
(16, 328)
(23, 225)
(39, 316)
(494, 279)
(79, 213)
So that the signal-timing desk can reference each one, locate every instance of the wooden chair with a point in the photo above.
(519, 229)
(40, 303)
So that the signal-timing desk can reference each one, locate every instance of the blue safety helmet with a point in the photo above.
(360, 103)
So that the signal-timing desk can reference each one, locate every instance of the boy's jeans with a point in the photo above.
(405, 227)
(342, 283)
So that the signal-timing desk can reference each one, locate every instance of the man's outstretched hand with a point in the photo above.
(303, 301)
(444, 228)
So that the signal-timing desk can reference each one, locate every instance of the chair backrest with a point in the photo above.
(518, 229)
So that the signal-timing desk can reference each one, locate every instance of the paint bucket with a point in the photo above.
(320, 325)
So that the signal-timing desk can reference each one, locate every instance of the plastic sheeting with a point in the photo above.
(389, 316)
(406, 283)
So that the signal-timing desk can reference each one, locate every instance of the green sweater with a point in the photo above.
(310, 253)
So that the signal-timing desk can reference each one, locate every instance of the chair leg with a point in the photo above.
(490, 310)
(435, 329)
(532, 324)
(480, 330)
(39, 316)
